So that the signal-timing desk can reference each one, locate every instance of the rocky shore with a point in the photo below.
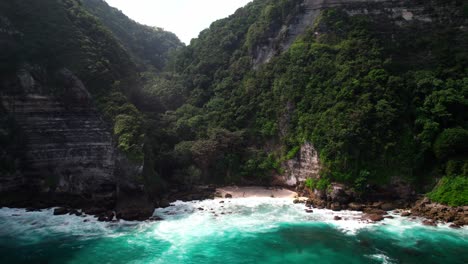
(337, 198)
(436, 212)
(340, 198)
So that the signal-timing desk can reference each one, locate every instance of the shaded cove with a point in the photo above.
(248, 230)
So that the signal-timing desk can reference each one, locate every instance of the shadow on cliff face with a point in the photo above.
(67, 154)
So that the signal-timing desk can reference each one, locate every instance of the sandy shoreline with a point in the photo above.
(256, 192)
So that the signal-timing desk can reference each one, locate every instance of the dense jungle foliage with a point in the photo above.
(378, 98)
(149, 46)
(56, 34)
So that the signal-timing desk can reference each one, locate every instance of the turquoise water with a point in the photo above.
(260, 230)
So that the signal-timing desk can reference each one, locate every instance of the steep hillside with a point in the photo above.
(147, 45)
(377, 88)
(71, 133)
(362, 98)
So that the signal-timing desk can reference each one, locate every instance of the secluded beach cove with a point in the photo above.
(256, 225)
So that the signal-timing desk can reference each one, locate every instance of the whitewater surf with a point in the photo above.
(243, 230)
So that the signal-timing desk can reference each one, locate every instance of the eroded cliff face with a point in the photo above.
(68, 147)
(68, 155)
(305, 165)
(401, 12)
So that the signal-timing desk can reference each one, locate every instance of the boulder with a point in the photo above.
(61, 211)
(406, 214)
(74, 212)
(337, 218)
(429, 223)
(94, 211)
(369, 210)
(388, 206)
(228, 195)
(297, 200)
(355, 206)
(449, 216)
(164, 203)
(320, 194)
(335, 206)
(134, 214)
(376, 204)
(106, 217)
(338, 194)
(374, 217)
(423, 202)
(307, 210)
(221, 202)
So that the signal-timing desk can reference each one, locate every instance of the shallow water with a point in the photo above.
(251, 230)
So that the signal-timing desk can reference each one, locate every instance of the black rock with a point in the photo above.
(155, 219)
(61, 211)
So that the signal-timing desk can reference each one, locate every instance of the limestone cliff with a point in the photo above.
(66, 77)
(69, 154)
(400, 11)
(305, 165)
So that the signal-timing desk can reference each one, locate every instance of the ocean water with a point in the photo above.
(250, 230)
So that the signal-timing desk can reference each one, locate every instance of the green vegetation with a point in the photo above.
(319, 184)
(373, 108)
(451, 190)
(104, 48)
(377, 98)
(451, 142)
(148, 46)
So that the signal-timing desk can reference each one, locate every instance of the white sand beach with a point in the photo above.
(256, 191)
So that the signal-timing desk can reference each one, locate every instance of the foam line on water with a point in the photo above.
(185, 221)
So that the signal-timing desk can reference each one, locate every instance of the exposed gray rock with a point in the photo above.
(355, 206)
(69, 155)
(335, 206)
(406, 214)
(400, 11)
(439, 212)
(338, 194)
(306, 164)
(388, 206)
